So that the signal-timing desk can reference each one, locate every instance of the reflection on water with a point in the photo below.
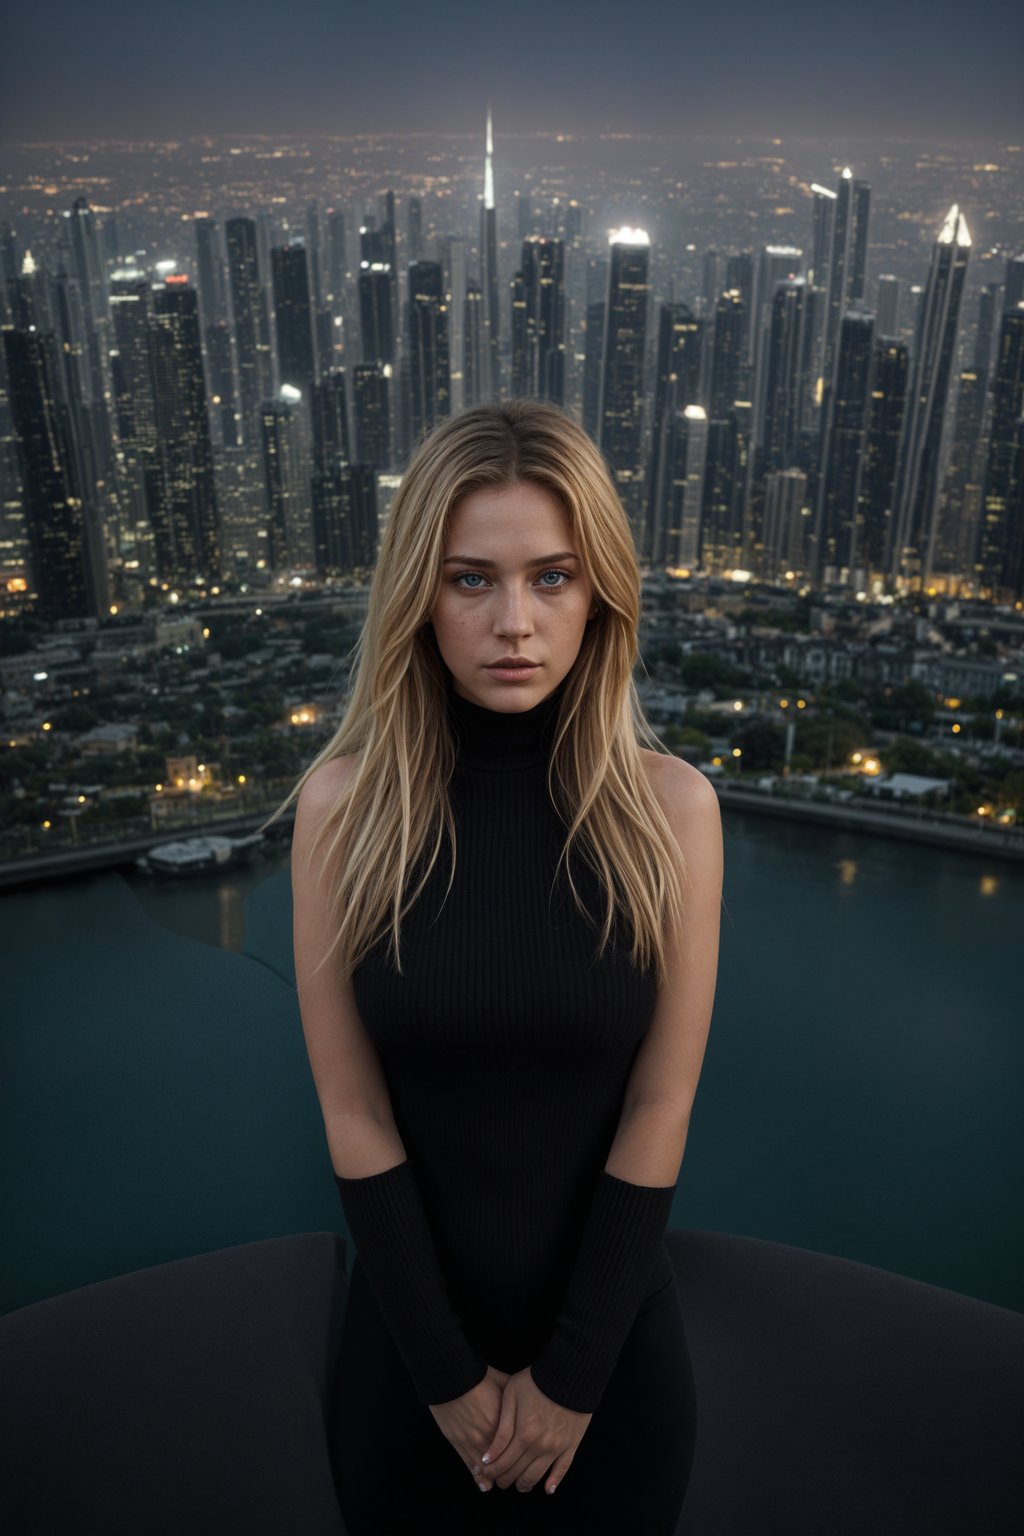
(209, 908)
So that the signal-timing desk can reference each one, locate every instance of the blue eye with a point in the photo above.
(551, 586)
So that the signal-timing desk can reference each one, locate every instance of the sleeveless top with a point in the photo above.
(506, 1046)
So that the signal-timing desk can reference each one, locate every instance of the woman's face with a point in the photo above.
(512, 585)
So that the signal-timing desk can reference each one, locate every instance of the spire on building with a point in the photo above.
(954, 230)
(488, 164)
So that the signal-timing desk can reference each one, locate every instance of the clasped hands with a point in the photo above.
(522, 1433)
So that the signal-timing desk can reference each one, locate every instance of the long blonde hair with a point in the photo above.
(396, 803)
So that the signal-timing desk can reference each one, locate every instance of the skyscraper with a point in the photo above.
(252, 328)
(372, 413)
(211, 271)
(676, 384)
(490, 330)
(289, 525)
(728, 382)
(788, 367)
(836, 552)
(472, 328)
(376, 315)
(294, 320)
(1000, 556)
(912, 546)
(430, 375)
(620, 412)
(847, 259)
(331, 492)
(538, 316)
(65, 539)
(886, 410)
(186, 526)
(887, 305)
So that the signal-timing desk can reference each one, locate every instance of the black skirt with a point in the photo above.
(397, 1475)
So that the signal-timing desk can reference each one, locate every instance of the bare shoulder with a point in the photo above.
(328, 782)
(682, 790)
(319, 795)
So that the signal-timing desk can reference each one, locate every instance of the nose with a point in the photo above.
(513, 614)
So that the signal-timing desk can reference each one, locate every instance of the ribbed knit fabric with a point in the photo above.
(389, 1228)
(507, 1050)
(625, 1229)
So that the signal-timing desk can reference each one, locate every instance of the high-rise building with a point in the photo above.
(376, 315)
(1000, 553)
(430, 373)
(887, 405)
(331, 493)
(312, 241)
(252, 327)
(285, 467)
(371, 387)
(836, 556)
(959, 510)
(787, 371)
(65, 539)
(728, 376)
(887, 305)
(676, 384)
(457, 318)
(222, 383)
(293, 319)
(415, 225)
(337, 255)
(131, 367)
(724, 482)
(490, 330)
(776, 264)
(538, 321)
(847, 259)
(186, 526)
(912, 545)
(472, 327)
(688, 461)
(211, 271)
(1013, 283)
(593, 360)
(785, 540)
(620, 412)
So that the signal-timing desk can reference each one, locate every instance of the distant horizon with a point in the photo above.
(554, 134)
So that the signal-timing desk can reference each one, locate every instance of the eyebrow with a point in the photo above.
(489, 565)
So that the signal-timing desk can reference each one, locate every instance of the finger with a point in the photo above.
(528, 1480)
(503, 1434)
(558, 1471)
(517, 1468)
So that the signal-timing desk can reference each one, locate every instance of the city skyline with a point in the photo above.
(115, 72)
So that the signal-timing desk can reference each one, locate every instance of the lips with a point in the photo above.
(510, 663)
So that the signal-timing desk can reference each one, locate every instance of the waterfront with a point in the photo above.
(859, 1094)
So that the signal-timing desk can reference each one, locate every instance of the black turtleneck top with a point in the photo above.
(505, 1045)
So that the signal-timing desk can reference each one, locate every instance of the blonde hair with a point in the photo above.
(396, 803)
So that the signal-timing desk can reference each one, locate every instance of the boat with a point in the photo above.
(198, 855)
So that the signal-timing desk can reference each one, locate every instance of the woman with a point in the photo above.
(506, 938)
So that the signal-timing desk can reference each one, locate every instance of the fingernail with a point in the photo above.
(486, 1459)
(482, 1487)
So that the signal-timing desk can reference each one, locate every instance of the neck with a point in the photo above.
(498, 739)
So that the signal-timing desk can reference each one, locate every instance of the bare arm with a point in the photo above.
(350, 1083)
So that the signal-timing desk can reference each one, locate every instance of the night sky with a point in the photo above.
(876, 68)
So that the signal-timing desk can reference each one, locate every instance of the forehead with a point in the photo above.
(509, 516)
